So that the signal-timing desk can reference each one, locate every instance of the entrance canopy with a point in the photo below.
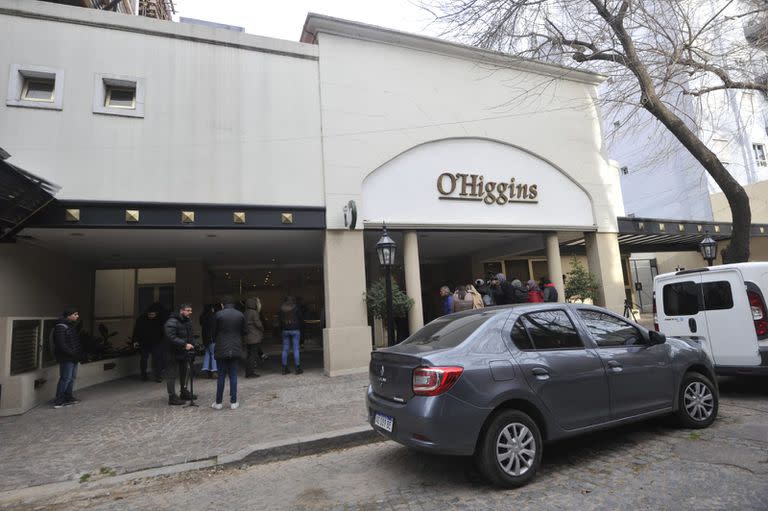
(665, 235)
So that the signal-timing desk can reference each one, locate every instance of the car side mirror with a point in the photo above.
(656, 338)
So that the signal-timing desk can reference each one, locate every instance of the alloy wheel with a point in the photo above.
(515, 449)
(698, 400)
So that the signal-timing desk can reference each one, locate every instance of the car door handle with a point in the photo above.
(614, 366)
(540, 373)
(692, 325)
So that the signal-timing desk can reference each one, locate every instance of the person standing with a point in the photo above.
(178, 343)
(254, 335)
(477, 299)
(68, 352)
(207, 320)
(534, 293)
(550, 291)
(447, 300)
(290, 324)
(228, 332)
(462, 300)
(519, 295)
(149, 333)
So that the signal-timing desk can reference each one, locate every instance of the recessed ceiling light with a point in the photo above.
(211, 235)
(78, 234)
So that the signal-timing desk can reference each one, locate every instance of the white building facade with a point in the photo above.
(196, 162)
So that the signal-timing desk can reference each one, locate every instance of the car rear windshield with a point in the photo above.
(447, 332)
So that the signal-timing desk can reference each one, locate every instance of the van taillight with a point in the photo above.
(655, 316)
(759, 315)
(431, 381)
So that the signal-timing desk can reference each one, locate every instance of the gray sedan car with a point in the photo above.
(498, 382)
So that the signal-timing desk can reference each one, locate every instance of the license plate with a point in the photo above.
(385, 422)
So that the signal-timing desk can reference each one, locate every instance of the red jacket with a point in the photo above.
(535, 296)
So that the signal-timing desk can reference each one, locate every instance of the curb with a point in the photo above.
(253, 455)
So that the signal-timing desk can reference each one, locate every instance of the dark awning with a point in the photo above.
(22, 194)
(664, 235)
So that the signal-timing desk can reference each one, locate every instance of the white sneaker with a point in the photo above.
(217, 406)
(234, 406)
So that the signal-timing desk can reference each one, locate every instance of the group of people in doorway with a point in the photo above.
(496, 290)
(229, 336)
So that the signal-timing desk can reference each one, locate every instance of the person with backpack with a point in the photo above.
(68, 352)
(290, 324)
(550, 291)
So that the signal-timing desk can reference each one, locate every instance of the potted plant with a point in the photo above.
(376, 301)
(580, 285)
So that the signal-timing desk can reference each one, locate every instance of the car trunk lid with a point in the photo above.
(391, 375)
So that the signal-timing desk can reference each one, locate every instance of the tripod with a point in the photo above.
(190, 379)
(628, 312)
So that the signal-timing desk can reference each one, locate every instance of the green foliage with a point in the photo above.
(85, 478)
(376, 300)
(580, 285)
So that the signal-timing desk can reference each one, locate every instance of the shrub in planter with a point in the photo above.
(376, 301)
(580, 285)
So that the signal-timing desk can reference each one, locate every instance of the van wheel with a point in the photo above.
(698, 402)
(510, 450)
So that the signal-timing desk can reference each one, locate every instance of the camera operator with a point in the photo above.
(178, 341)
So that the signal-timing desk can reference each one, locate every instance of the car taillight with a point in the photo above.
(655, 316)
(431, 381)
(759, 315)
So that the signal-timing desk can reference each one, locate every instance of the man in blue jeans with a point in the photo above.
(68, 352)
(290, 324)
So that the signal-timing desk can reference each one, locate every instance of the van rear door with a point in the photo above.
(679, 308)
(729, 324)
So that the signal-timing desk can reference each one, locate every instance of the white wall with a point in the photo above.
(36, 283)
(380, 100)
(229, 117)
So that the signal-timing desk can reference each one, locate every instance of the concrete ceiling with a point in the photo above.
(231, 248)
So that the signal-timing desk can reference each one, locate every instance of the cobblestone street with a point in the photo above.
(651, 465)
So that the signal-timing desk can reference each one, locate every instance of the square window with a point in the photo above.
(35, 87)
(120, 97)
(38, 89)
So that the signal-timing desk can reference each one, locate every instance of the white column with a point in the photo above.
(413, 280)
(347, 336)
(604, 259)
(555, 265)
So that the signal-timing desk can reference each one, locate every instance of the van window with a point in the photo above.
(717, 295)
(681, 298)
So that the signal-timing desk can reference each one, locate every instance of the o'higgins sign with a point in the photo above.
(474, 187)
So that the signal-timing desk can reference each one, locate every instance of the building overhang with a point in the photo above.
(665, 235)
(22, 195)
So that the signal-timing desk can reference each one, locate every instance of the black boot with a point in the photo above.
(173, 399)
(186, 395)
(285, 369)
(299, 370)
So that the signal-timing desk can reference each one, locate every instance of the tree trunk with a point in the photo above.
(738, 201)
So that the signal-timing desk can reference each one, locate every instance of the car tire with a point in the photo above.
(697, 402)
(509, 453)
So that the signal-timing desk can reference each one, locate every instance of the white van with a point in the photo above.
(722, 308)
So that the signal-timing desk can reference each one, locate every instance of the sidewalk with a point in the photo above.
(126, 425)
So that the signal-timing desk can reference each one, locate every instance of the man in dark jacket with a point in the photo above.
(178, 343)
(228, 331)
(68, 352)
(149, 333)
(549, 290)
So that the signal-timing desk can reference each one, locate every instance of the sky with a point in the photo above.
(284, 19)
